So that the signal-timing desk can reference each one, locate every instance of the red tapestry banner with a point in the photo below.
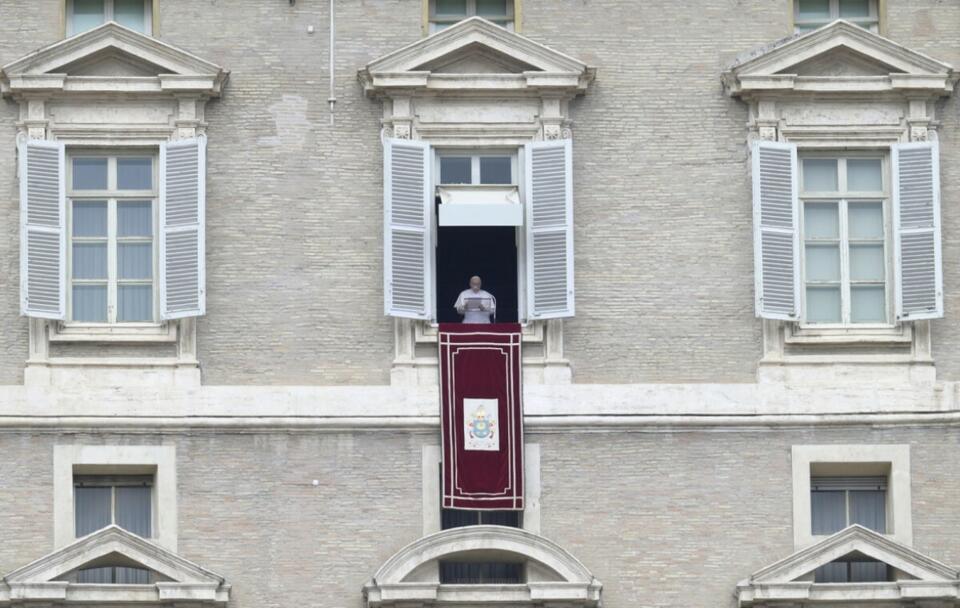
(481, 416)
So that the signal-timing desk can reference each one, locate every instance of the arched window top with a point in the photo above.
(552, 574)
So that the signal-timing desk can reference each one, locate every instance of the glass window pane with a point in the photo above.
(134, 303)
(821, 220)
(834, 572)
(451, 7)
(820, 175)
(134, 260)
(87, 14)
(828, 511)
(89, 260)
(134, 174)
(868, 304)
(89, 174)
(510, 519)
(864, 175)
(134, 509)
(866, 220)
(130, 13)
(91, 509)
(854, 8)
(869, 509)
(866, 263)
(814, 9)
(823, 262)
(90, 303)
(90, 218)
(823, 304)
(96, 576)
(458, 518)
(492, 8)
(135, 218)
(868, 572)
(495, 170)
(131, 576)
(455, 170)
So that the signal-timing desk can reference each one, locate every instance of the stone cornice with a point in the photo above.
(909, 71)
(41, 72)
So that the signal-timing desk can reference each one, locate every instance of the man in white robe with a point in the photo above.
(475, 304)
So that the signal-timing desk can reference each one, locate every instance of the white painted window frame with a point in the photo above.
(437, 22)
(842, 197)
(72, 459)
(108, 15)
(872, 22)
(431, 499)
(896, 457)
(112, 195)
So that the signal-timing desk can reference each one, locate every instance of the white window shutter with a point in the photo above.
(549, 229)
(182, 214)
(776, 230)
(407, 240)
(916, 230)
(43, 232)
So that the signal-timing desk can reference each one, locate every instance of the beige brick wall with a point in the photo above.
(661, 518)
(663, 235)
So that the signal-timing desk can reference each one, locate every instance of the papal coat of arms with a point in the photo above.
(481, 424)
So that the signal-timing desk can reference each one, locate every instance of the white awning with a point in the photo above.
(480, 206)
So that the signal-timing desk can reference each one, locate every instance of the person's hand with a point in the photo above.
(459, 309)
(484, 306)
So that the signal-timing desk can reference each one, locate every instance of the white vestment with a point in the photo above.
(476, 306)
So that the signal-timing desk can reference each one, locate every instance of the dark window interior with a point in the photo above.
(487, 251)
(458, 518)
(481, 573)
(853, 569)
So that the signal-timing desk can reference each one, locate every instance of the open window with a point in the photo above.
(479, 216)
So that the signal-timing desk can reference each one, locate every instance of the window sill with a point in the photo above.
(141, 333)
(426, 333)
(794, 333)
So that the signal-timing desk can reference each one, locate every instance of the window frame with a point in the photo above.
(112, 196)
(872, 23)
(149, 16)
(843, 197)
(809, 461)
(847, 501)
(433, 20)
(113, 482)
(475, 154)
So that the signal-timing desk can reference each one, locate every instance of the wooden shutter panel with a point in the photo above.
(549, 229)
(776, 230)
(407, 241)
(182, 213)
(43, 232)
(916, 229)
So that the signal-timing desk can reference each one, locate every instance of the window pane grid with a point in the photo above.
(115, 285)
(811, 14)
(845, 268)
(83, 15)
(444, 13)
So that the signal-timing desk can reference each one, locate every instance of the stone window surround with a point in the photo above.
(896, 457)
(160, 460)
(431, 461)
(154, 18)
(793, 8)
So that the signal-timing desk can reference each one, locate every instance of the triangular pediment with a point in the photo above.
(839, 57)
(860, 542)
(111, 51)
(472, 51)
(114, 546)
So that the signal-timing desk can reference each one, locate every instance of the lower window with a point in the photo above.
(853, 569)
(481, 573)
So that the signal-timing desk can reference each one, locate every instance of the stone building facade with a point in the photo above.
(750, 399)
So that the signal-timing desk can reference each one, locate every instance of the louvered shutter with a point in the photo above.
(549, 228)
(916, 229)
(408, 243)
(42, 230)
(182, 212)
(776, 233)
